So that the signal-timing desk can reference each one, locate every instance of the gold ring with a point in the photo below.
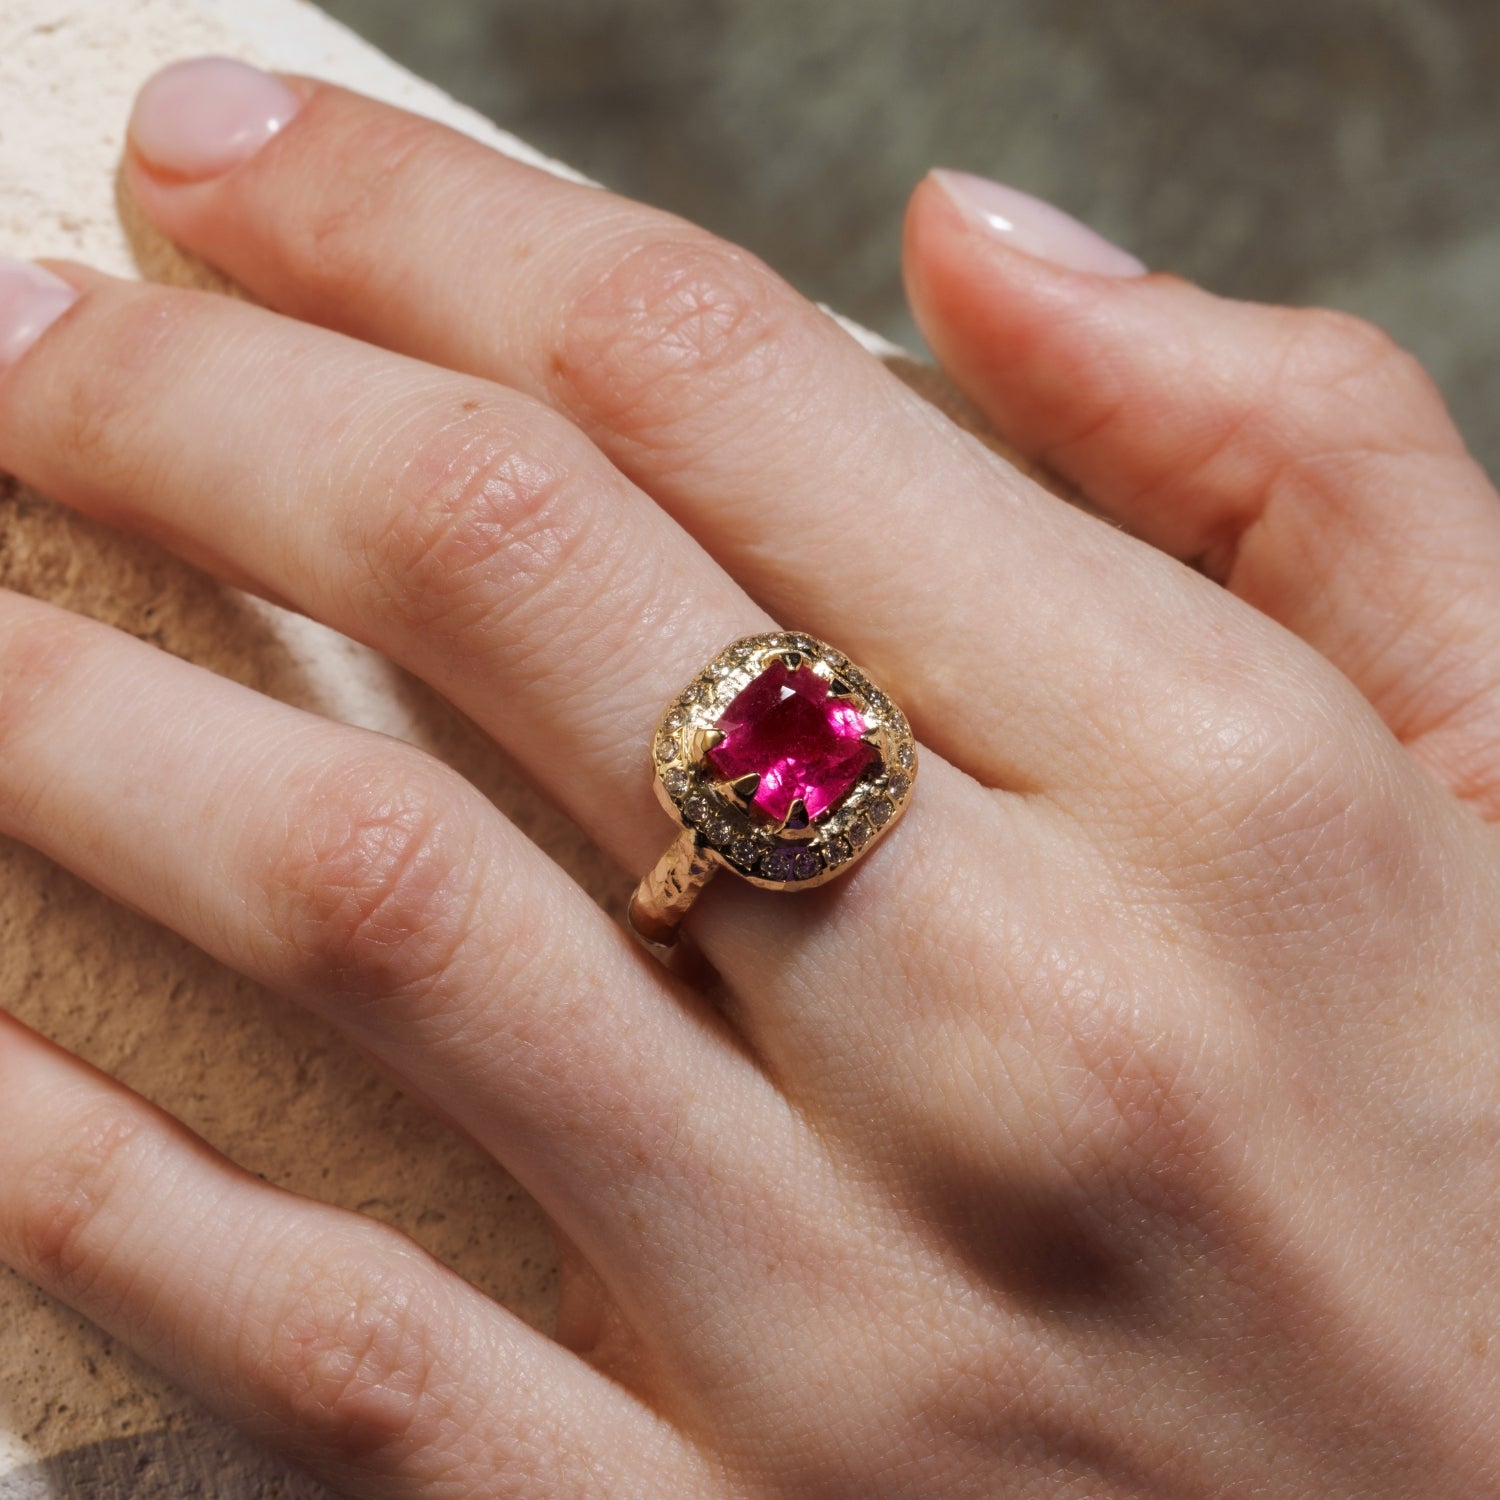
(780, 761)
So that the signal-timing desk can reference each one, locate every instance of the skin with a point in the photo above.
(1125, 1125)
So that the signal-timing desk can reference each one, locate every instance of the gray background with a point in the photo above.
(1336, 151)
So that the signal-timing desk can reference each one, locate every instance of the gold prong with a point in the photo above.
(743, 791)
(796, 818)
(709, 739)
(793, 659)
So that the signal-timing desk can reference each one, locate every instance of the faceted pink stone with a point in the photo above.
(784, 728)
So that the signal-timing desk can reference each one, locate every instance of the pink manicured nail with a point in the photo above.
(1026, 223)
(199, 118)
(31, 299)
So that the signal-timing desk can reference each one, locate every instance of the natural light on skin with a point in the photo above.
(1110, 1112)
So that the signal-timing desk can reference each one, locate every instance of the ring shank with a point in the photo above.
(666, 895)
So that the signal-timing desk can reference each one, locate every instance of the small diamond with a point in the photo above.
(779, 864)
(717, 829)
(695, 809)
(807, 864)
(899, 784)
(676, 783)
(860, 834)
(906, 757)
(879, 813)
(675, 720)
(838, 850)
(666, 747)
(743, 851)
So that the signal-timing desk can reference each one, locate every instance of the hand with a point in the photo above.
(1125, 1124)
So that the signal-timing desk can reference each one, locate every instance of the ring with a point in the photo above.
(780, 761)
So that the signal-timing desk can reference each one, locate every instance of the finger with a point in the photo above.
(1299, 456)
(321, 1332)
(368, 880)
(801, 463)
(464, 530)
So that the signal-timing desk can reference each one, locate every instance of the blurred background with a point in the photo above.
(1308, 151)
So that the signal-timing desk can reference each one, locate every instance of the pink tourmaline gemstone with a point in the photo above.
(784, 728)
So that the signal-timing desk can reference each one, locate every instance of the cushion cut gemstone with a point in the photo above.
(784, 728)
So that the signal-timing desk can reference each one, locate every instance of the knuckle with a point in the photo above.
(1339, 353)
(1270, 803)
(673, 325)
(482, 519)
(1330, 340)
(353, 1353)
(368, 878)
(1243, 781)
(70, 1196)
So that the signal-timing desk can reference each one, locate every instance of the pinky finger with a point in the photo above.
(323, 1333)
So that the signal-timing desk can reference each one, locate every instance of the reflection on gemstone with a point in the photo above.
(804, 745)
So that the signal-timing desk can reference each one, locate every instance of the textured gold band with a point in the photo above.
(666, 895)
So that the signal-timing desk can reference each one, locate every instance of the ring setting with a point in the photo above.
(782, 762)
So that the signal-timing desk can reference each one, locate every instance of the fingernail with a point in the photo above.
(199, 118)
(31, 300)
(1025, 223)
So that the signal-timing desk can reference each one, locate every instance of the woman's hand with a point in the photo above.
(1126, 1124)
